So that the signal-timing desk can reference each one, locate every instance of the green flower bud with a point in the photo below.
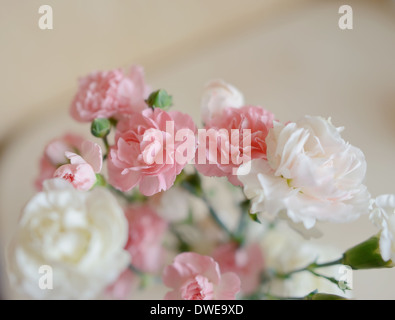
(160, 99)
(366, 255)
(100, 127)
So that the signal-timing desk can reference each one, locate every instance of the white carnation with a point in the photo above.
(311, 174)
(80, 235)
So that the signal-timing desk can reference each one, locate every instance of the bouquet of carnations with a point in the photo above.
(136, 206)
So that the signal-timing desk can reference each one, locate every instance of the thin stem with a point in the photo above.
(130, 198)
(193, 185)
(216, 218)
(107, 146)
(136, 270)
(242, 225)
(331, 279)
(311, 267)
(183, 245)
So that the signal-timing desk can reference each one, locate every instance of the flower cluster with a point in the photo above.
(136, 206)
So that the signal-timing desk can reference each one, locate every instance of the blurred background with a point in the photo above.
(289, 56)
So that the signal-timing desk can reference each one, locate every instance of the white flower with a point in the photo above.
(311, 174)
(383, 216)
(217, 96)
(80, 235)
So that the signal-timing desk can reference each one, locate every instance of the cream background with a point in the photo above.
(289, 56)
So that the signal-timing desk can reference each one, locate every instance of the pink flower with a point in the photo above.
(151, 148)
(54, 156)
(123, 286)
(239, 135)
(246, 262)
(110, 93)
(79, 173)
(146, 231)
(62, 159)
(196, 277)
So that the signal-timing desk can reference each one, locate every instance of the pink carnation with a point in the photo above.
(146, 231)
(54, 156)
(196, 277)
(151, 148)
(233, 146)
(110, 93)
(73, 159)
(79, 172)
(246, 262)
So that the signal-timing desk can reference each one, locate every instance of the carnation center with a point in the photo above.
(198, 288)
(69, 177)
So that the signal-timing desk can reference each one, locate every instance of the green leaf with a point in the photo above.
(254, 217)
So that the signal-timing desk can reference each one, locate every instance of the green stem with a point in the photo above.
(193, 185)
(216, 218)
(330, 279)
(311, 267)
(183, 245)
(136, 270)
(242, 225)
(107, 146)
(130, 198)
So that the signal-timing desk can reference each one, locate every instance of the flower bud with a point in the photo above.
(366, 255)
(217, 96)
(160, 99)
(100, 127)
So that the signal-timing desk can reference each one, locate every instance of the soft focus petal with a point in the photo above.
(92, 154)
(228, 287)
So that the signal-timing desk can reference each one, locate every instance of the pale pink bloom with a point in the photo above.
(311, 174)
(110, 93)
(235, 145)
(217, 96)
(60, 159)
(54, 156)
(246, 262)
(146, 232)
(92, 154)
(79, 173)
(122, 287)
(151, 148)
(196, 277)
